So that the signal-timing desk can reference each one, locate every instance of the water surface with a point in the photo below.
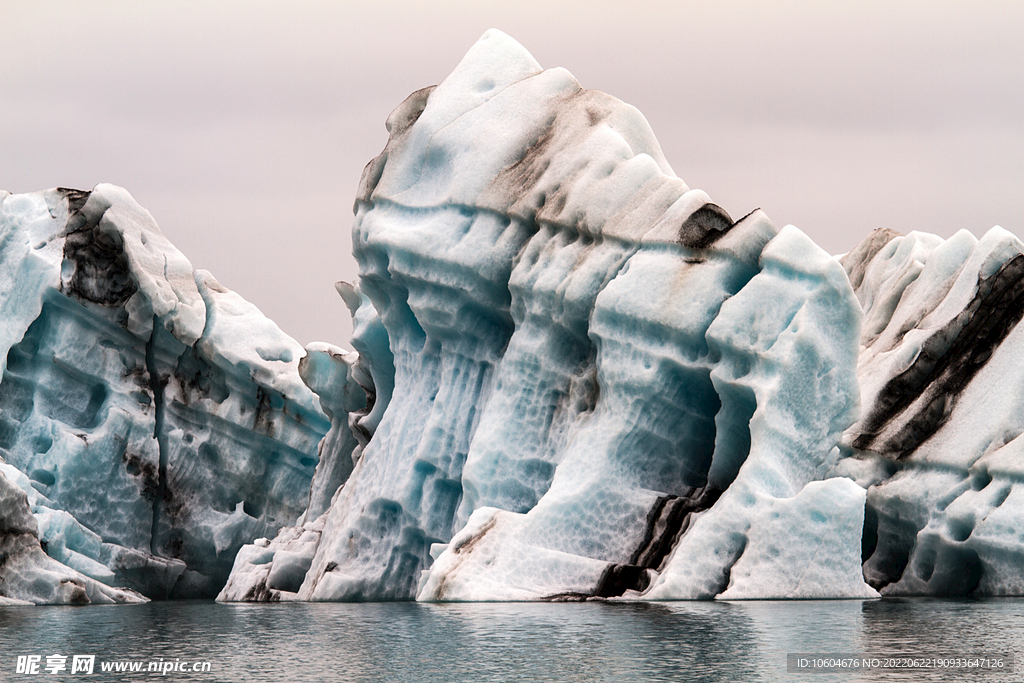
(594, 641)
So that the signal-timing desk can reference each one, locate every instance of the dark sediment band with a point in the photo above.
(943, 369)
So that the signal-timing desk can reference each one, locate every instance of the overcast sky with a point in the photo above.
(243, 126)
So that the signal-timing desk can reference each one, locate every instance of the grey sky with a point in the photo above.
(243, 126)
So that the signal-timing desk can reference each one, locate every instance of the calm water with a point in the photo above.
(408, 642)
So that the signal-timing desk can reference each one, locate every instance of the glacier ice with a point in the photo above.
(598, 379)
(789, 342)
(806, 546)
(156, 420)
(31, 577)
(354, 389)
(574, 377)
(938, 441)
(605, 386)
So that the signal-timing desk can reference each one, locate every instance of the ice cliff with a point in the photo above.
(151, 421)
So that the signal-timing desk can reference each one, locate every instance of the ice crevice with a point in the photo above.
(156, 386)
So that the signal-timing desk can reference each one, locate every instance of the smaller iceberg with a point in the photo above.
(154, 420)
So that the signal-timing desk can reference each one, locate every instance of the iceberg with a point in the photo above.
(155, 420)
(598, 383)
(573, 377)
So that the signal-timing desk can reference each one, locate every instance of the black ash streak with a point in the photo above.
(942, 371)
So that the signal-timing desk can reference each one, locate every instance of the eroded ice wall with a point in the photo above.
(157, 420)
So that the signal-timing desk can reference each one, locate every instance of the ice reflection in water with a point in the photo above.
(408, 642)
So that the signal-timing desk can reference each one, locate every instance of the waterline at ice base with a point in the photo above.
(573, 377)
